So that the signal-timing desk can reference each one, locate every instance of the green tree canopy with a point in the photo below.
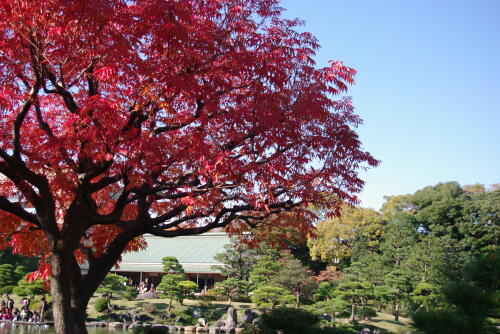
(265, 269)
(426, 295)
(294, 277)
(27, 288)
(238, 260)
(271, 296)
(400, 235)
(332, 307)
(170, 284)
(186, 288)
(231, 288)
(7, 275)
(172, 266)
(355, 293)
(112, 283)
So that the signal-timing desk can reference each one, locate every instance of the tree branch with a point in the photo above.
(68, 99)
(217, 223)
(199, 106)
(17, 210)
(18, 122)
(104, 182)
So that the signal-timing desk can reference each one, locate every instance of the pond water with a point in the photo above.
(7, 328)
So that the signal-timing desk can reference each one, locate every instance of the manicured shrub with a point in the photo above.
(187, 315)
(213, 295)
(101, 305)
(149, 308)
(27, 288)
(271, 296)
(289, 320)
(6, 290)
(130, 293)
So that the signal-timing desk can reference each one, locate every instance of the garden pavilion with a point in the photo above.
(195, 253)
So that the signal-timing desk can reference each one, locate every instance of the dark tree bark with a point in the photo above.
(68, 306)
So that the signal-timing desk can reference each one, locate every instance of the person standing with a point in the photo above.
(10, 304)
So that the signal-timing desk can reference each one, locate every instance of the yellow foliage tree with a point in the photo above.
(335, 237)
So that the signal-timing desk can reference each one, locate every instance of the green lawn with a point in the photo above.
(386, 321)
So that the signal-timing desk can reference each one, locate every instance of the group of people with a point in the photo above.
(145, 286)
(9, 312)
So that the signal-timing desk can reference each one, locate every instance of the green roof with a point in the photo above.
(195, 253)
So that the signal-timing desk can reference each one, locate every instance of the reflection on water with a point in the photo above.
(9, 328)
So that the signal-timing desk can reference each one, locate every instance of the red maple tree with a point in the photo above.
(170, 117)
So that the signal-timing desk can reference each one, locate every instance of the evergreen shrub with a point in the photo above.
(101, 305)
(288, 320)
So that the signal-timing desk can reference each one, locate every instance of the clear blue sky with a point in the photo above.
(428, 86)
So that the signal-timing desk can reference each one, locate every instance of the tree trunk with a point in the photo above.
(68, 305)
(70, 290)
(297, 300)
(353, 312)
(396, 311)
(169, 305)
(108, 298)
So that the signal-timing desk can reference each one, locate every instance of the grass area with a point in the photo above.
(386, 322)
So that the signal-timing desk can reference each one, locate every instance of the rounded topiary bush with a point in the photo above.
(213, 295)
(289, 320)
(101, 305)
(149, 308)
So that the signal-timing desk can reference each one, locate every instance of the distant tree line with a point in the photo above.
(415, 257)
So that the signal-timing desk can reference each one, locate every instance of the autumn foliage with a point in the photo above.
(119, 118)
